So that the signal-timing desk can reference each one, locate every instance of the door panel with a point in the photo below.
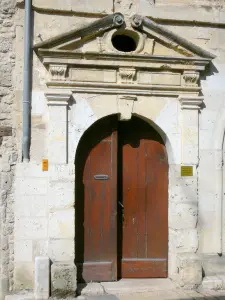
(97, 258)
(144, 187)
(144, 268)
(134, 197)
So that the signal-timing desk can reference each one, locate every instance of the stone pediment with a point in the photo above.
(118, 51)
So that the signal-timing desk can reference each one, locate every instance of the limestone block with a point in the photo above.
(222, 277)
(23, 251)
(190, 135)
(61, 194)
(63, 279)
(183, 215)
(125, 106)
(32, 186)
(61, 250)
(61, 224)
(62, 172)
(186, 240)
(189, 270)
(182, 191)
(31, 228)
(213, 265)
(190, 154)
(31, 206)
(4, 287)
(5, 75)
(40, 248)
(5, 181)
(207, 119)
(24, 276)
(41, 280)
(212, 283)
(101, 6)
(92, 289)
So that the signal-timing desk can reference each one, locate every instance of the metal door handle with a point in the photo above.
(121, 204)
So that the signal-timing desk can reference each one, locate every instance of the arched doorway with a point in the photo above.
(121, 202)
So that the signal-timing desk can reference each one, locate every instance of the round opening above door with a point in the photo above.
(125, 40)
(124, 43)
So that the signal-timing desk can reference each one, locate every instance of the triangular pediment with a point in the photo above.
(114, 55)
(151, 39)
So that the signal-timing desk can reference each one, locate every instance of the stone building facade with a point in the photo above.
(173, 79)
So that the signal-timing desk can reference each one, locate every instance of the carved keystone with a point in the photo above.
(125, 106)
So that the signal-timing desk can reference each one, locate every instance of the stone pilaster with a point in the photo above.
(190, 106)
(188, 263)
(58, 126)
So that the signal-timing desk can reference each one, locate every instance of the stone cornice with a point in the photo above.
(58, 98)
(128, 89)
(113, 60)
(101, 25)
(138, 22)
(190, 102)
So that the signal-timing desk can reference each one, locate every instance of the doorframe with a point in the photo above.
(171, 122)
(172, 169)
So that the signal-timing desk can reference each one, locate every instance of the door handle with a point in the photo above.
(121, 205)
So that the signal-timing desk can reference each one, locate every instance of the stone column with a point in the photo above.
(186, 210)
(58, 126)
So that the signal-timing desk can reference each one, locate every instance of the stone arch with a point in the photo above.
(172, 269)
(85, 145)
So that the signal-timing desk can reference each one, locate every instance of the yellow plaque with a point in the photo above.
(44, 164)
(186, 171)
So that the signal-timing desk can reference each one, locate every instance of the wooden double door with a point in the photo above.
(121, 202)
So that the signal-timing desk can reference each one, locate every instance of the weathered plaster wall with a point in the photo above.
(8, 153)
(45, 201)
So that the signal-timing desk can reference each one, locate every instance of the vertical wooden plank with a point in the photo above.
(98, 262)
(145, 200)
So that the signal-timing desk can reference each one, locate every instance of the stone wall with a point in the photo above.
(8, 155)
(45, 200)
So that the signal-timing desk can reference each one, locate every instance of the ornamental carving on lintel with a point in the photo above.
(127, 75)
(191, 78)
(58, 72)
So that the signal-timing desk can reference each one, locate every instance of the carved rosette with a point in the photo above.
(190, 78)
(58, 72)
(127, 75)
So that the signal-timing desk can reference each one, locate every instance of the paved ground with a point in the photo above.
(152, 289)
(164, 295)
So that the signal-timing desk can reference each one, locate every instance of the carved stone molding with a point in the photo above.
(190, 78)
(58, 72)
(191, 102)
(58, 98)
(125, 106)
(127, 75)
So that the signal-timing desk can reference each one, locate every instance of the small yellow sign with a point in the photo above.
(44, 164)
(186, 171)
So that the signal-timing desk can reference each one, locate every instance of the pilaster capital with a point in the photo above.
(191, 102)
(58, 98)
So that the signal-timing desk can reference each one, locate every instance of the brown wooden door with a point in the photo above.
(122, 220)
(144, 199)
(96, 251)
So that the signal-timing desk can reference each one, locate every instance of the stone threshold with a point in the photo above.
(126, 286)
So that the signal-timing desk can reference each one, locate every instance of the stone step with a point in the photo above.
(213, 265)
